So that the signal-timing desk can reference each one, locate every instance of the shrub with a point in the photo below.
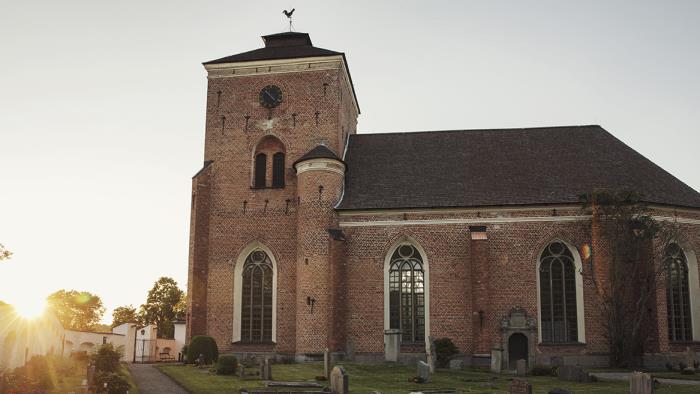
(669, 366)
(202, 344)
(227, 364)
(107, 358)
(687, 371)
(696, 364)
(33, 377)
(682, 366)
(184, 354)
(542, 370)
(445, 349)
(116, 383)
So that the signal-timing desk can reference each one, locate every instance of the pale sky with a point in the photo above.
(102, 106)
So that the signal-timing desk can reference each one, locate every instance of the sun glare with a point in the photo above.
(29, 308)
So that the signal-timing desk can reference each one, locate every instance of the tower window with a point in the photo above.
(260, 170)
(266, 174)
(278, 170)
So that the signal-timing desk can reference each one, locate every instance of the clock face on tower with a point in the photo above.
(270, 96)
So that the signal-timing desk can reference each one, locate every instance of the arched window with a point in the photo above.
(260, 170)
(256, 313)
(278, 170)
(269, 148)
(407, 293)
(558, 314)
(680, 327)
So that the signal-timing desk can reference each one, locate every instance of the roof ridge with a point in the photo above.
(468, 130)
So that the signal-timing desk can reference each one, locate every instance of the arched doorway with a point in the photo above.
(517, 349)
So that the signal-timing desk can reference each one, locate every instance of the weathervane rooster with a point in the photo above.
(288, 14)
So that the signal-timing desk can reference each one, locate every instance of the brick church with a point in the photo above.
(306, 235)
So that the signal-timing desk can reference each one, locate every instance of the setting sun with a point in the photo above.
(29, 308)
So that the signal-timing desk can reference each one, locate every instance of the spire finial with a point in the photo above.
(288, 14)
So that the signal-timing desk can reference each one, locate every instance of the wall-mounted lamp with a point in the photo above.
(587, 256)
(310, 301)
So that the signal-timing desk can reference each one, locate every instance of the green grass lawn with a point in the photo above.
(391, 378)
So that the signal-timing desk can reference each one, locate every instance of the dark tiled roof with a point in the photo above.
(279, 46)
(470, 168)
(319, 152)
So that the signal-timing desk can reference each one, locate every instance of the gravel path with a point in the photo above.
(626, 376)
(151, 381)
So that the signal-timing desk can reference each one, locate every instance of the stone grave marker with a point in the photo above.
(641, 383)
(266, 369)
(558, 390)
(521, 367)
(241, 370)
(519, 386)
(456, 364)
(339, 381)
(431, 354)
(496, 360)
(573, 373)
(423, 371)
(327, 364)
(392, 344)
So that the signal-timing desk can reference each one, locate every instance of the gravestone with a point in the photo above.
(521, 367)
(431, 354)
(573, 373)
(241, 370)
(423, 371)
(496, 361)
(641, 383)
(339, 381)
(519, 386)
(456, 364)
(327, 363)
(558, 390)
(392, 344)
(266, 369)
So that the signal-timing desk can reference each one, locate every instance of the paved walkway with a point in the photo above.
(626, 376)
(151, 381)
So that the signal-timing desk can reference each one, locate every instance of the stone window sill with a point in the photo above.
(683, 342)
(254, 343)
(266, 187)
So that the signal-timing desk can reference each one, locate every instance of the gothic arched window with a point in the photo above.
(678, 295)
(256, 305)
(558, 313)
(260, 170)
(407, 293)
(278, 170)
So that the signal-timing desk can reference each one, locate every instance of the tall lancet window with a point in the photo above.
(407, 294)
(558, 295)
(680, 326)
(256, 313)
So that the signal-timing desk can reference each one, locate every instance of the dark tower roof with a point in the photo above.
(471, 168)
(280, 46)
(319, 152)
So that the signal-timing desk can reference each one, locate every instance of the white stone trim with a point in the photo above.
(693, 288)
(677, 220)
(426, 269)
(320, 164)
(580, 312)
(498, 220)
(238, 288)
(438, 211)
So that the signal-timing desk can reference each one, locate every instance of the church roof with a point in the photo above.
(279, 46)
(319, 152)
(472, 168)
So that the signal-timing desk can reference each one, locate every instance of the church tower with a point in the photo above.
(261, 255)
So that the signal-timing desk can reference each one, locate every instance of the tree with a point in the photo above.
(4, 253)
(159, 308)
(628, 248)
(181, 308)
(124, 314)
(76, 310)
